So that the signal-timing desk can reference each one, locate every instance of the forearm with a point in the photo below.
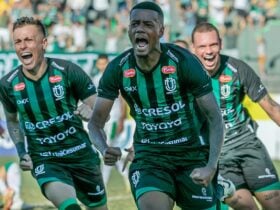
(98, 138)
(17, 137)
(216, 139)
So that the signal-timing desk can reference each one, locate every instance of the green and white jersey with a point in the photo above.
(231, 83)
(162, 101)
(46, 107)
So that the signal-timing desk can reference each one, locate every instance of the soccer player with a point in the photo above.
(171, 100)
(244, 159)
(40, 101)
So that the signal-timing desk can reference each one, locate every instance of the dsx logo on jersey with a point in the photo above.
(23, 101)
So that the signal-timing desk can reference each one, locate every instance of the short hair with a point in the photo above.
(22, 21)
(204, 27)
(149, 6)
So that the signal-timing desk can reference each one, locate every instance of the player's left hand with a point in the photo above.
(84, 111)
(203, 176)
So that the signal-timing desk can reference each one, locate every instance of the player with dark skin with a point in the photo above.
(145, 59)
(244, 159)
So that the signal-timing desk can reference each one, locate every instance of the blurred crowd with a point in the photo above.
(101, 25)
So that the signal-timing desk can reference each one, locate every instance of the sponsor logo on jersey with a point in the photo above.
(99, 191)
(168, 142)
(268, 174)
(58, 137)
(168, 69)
(160, 111)
(225, 78)
(129, 73)
(261, 88)
(130, 89)
(170, 85)
(64, 152)
(19, 86)
(47, 123)
(225, 91)
(23, 101)
(40, 169)
(58, 92)
(55, 79)
(135, 178)
(203, 195)
(228, 111)
(162, 125)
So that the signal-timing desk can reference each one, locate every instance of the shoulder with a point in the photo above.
(61, 64)
(121, 59)
(176, 53)
(234, 64)
(10, 77)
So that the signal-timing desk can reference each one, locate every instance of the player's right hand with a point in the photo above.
(111, 155)
(26, 163)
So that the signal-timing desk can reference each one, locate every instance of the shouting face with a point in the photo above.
(145, 31)
(30, 45)
(207, 46)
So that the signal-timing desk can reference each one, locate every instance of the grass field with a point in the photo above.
(118, 197)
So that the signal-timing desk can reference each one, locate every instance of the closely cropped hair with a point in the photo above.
(23, 21)
(204, 27)
(149, 6)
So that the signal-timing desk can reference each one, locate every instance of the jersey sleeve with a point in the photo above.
(196, 76)
(108, 85)
(251, 82)
(5, 98)
(81, 83)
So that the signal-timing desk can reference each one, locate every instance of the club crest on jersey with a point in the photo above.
(225, 78)
(58, 92)
(129, 73)
(19, 86)
(54, 79)
(168, 69)
(170, 84)
(225, 91)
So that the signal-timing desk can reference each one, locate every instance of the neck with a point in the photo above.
(147, 63)
(37, 72)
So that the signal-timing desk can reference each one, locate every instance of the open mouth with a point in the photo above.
(26, 56)
(141, 43)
